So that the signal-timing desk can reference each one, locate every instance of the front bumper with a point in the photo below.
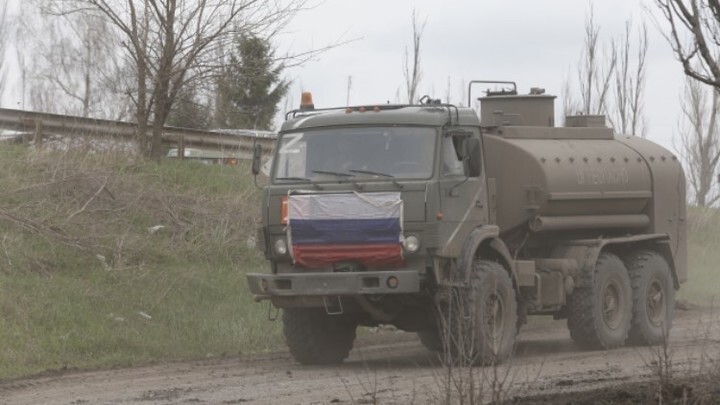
(322, 284)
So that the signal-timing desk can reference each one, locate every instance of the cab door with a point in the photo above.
(463, 193)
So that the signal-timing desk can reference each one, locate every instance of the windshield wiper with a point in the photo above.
(373, 173)
(301, 179)
(370, 172)
(340, 175)
(336, 174)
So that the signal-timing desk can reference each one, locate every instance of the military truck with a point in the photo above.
(458, 225)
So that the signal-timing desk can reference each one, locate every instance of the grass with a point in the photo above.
(703, 257)
(84, 284)
(102, 319)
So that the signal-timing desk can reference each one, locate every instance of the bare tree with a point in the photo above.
(571, 105)
(412, 70)
(626, 114)
(610, 78)
(700, 20)
(595, 70)
(171, 43)
(23, 42)
(700, 139)
(694, 35)
(78, 67)
(3, 43)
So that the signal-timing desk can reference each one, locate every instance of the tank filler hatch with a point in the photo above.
(534, 110)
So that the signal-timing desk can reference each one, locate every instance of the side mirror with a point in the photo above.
(460, 138)
(256, 159)
(473, 156)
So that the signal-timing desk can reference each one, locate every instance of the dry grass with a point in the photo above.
(108, 206)
(109, 260)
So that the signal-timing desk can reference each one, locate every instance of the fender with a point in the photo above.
(586, 252)
(484, 241)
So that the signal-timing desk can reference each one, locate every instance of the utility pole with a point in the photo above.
(349, 86)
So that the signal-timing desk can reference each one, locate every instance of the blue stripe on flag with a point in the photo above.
(345, 231)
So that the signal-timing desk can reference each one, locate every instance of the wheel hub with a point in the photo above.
(611, 305)
(494, 316)
(655, 303)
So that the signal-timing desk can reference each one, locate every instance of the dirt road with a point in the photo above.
(386, 367)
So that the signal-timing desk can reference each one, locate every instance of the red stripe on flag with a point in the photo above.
(314, 256)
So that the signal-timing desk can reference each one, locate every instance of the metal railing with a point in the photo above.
(37, 125)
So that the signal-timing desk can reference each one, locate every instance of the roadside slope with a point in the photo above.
(107, 260)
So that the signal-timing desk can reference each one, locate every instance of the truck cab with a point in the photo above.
(407, 151)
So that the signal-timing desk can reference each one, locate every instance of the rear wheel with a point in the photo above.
(599, 315)
(653, 297)
(314, 337)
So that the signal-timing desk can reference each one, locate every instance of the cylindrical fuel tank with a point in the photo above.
(567, 178)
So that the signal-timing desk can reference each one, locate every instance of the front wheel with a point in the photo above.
(314, 337)
(653, 295)
(599, 314)
(482, 320)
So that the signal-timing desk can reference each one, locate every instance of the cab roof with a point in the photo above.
(388, 114)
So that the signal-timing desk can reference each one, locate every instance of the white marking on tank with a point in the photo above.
(598, 176)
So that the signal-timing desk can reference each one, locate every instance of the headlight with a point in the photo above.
(412, 243)
(281, 247)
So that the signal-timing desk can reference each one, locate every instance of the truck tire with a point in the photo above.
(653, 295)
(314, 337)
(599, 315)
(483, 328)
(431, 340)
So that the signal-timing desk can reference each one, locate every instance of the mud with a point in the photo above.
(392, 367)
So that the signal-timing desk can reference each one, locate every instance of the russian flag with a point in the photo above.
(328, 228)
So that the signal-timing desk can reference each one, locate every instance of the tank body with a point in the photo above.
(564, 177)
(587, 180)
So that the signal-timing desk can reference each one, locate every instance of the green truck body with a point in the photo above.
(503, 215)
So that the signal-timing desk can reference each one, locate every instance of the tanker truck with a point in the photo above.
(458, 226)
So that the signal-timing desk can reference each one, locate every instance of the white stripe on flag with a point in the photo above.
(345, 206)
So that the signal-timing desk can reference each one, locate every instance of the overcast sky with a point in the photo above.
(536, 43)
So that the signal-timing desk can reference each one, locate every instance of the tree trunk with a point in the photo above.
(156, 142)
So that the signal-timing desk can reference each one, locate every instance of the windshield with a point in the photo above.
(356, 153)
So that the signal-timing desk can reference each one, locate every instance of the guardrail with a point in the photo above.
(37, 125)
